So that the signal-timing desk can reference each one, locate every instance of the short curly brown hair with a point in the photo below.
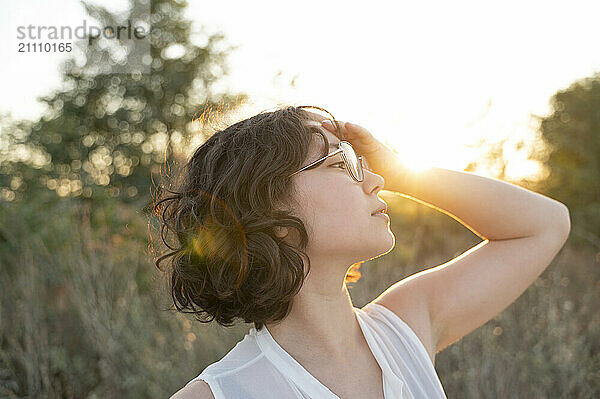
(228, 263)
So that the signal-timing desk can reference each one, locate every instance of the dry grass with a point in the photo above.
(82, 314)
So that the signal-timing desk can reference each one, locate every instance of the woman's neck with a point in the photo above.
(322, 322)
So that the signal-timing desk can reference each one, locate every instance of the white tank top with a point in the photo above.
(258, 368)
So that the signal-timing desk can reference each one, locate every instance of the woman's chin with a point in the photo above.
(384, 245)
(390, 244)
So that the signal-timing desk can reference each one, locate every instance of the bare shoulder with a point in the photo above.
(196, 390)
(408, 303)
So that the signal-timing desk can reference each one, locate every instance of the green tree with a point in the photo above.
(106, 132)
(571, 133)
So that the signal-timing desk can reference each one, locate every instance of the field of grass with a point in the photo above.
(83, 311)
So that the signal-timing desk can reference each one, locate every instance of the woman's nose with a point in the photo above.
(372, 182)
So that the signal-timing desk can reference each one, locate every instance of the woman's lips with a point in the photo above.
(382, 215)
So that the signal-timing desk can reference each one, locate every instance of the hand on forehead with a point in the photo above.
(318, 143)
(316, 146)
(330, 136)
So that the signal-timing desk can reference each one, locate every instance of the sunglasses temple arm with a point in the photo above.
(319, 160)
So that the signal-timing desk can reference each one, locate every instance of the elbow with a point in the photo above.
(566, 218)
(562, 222)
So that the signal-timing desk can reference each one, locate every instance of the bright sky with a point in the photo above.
(427, 77)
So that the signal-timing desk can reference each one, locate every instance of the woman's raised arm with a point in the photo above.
(522, 231)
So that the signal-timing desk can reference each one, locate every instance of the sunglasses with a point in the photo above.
(355, 165)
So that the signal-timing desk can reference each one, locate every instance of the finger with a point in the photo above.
(356, 130)
(356, 133)
(326, 123)
(330, 127)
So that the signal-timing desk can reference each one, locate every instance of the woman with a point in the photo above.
(272, 216)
